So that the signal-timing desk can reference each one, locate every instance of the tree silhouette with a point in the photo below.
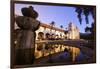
(79, 11)
(86, 11)
(61, 26)
(87, 29)
(91, 30)
(52, 24)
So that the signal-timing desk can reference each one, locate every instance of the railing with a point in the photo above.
(73, 43)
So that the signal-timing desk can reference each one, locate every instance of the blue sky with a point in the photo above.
(61, 15)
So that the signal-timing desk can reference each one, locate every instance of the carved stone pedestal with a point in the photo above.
(25, 46)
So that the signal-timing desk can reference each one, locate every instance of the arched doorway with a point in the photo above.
(40, 36)
(47, 35)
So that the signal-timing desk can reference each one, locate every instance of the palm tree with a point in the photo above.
(90, 29)
(86, 11)
(79, 11)
(61, 26)
(87, 29)
(52, 24)
(66, 29)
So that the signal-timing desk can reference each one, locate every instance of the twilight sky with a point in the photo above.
(61, 15)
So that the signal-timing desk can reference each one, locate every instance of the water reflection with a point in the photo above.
(42, 50)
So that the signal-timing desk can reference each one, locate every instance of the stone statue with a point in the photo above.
(25, 46)
(29, 12)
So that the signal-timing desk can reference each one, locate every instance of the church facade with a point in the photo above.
(73, 32)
